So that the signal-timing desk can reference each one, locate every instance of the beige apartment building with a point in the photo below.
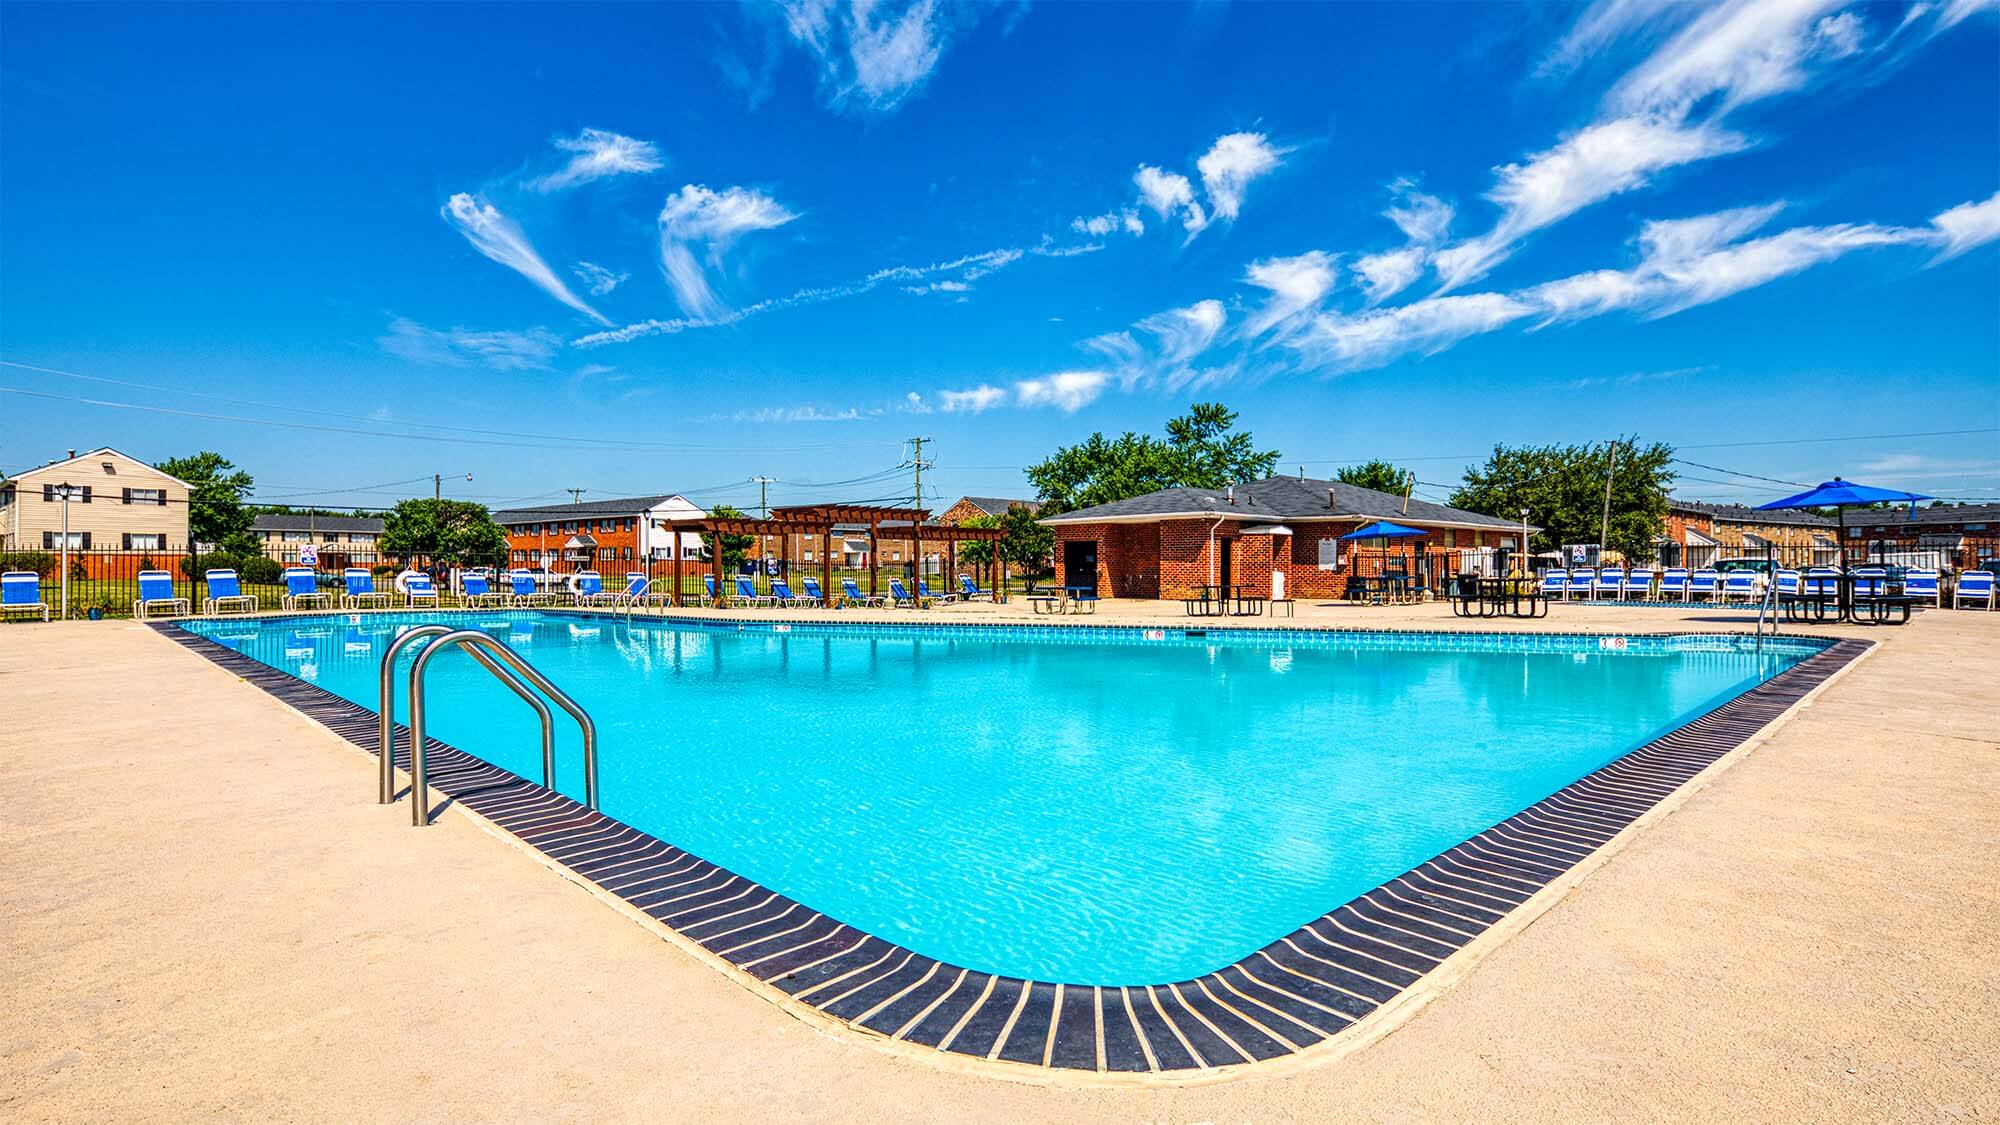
(116, 503)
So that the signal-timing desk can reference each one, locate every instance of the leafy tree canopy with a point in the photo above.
(1378, 475)
(217, 509)
(735, 548)
(445, 532)
(1562, 487)
(1202, 449)
(1026, 546)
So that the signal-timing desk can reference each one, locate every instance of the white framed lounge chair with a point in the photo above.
(851, 595)
(1704, 583)
(157, 597)
(302, 589)
(1610, 582)
(417, 588)
(1555, 583)
(523, 591)
(781, 592)
(1974, 588)
(746, 594)
(814, 595)
(968, 589)
(361, 592)
(924, 591)
(21, 592)
(1740, 585)
(225, 594)
(1821, 582)
(586, 587)
(1639, 584)
(1674, 584)
(1790, 583)
(1870, 581)
(1923, 583)
(475, 590)
(900, 597)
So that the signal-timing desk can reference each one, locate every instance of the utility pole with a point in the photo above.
(576, 494)
(763, 499)
(917, 460)
(1604, 525)
(437, 486)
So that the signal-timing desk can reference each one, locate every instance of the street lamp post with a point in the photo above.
(1525, 564)
(65, 492)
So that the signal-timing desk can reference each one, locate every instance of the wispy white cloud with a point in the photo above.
(1601, 25)
(698, 217)
(1228, 167)
(1171, 196)
(501, 239)
(1424, 220)
(796, 414)
(1296, 285)
(1120, 219)
(1067, 391)
(972, 400)
(1386, 274)
(1968, 225)
(598, 280)
(1346, 342)
(874, 54)
(466, 347)
(599, 154)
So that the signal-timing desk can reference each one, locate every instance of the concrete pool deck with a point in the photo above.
(192, 933)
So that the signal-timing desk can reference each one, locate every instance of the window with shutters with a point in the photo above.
(156, 496)
(140, 541)
(78, 540)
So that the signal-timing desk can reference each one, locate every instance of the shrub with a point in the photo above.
(262, 570)
(381, 569)
(41, 562)
(194, 566)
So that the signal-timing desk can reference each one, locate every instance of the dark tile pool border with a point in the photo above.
(1298, 991)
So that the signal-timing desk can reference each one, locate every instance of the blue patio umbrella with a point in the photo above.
(1384, 530)
(1841, 495)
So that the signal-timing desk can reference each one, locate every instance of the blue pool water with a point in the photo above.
(1097, 806)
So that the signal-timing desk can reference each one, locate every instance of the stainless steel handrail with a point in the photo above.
(419, 802)
(385, 725)
(633, 598)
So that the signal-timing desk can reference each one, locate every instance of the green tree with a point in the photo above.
(1202, 449)
(444, 533)
(1378, 474)
(217, 510)
(1026, 545)
(735, 548)
(1562, 487)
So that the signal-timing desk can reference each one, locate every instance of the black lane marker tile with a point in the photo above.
(1352, 918)
(1310, 941)
(858, 1001)
(932, 1029)
(1028, 1042)
(1263, 1017)
(1491, 879)
(1212, 1049)
(1076, 1029)
(1258, 1043)
(891, 1019)
(741, 927)
(1166, 1048)
(1397, 960)
(1449, 900)
(788, 948)
(1312, 988)
(980, 1032)
(1319, 1019)
(637, 878)
(682, 888)
(1121, 1040)
(749, 896)
(803, 976)
(1480, 855)
(1390, 912)
(1333, 975)
(1494, 901)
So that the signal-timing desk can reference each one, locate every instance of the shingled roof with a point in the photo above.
(589, 509)
(998, 505)
(1280, 498)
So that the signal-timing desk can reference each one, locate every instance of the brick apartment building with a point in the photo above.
(338, 541)
(1699, 534)
(1282, 533)
(603, 535)
(1953, 535)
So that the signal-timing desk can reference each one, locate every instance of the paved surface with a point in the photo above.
(203, 914)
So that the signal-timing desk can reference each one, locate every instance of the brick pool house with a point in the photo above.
(1278, 535)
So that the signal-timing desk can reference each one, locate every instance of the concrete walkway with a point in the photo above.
(204, 915)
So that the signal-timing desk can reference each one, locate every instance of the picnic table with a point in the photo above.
(1379, 589)
(1841, 598)
(1063, 599)
(1474, 596)
(1218, 601)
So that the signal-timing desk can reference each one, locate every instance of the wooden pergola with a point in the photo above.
(902, 524)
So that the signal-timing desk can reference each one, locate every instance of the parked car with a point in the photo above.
(1761, 566)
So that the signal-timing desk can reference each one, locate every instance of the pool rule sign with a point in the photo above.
(308, 555)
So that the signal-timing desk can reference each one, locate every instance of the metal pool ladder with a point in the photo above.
(509, 669)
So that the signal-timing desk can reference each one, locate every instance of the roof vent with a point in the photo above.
(1229, 493)
(1329, 499)
(72, 454)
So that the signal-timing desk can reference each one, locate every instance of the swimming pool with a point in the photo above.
(1098, 805)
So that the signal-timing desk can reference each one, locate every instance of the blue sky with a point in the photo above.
(672, 248)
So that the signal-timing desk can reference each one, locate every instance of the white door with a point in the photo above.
(1277, 585)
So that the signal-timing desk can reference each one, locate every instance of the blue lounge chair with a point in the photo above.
(1639, 583)
(1704, 583)
(1822, 582)
(474, 590)
(361, 592)
(924, 592)
(814, 595)
(21, 592)
(225, 594)
(586, 587)
(302, 589)
(852, 595)
(1870, 582)
(1974, 587)
(1674, 584)
(417, 588)
(1555, 583)
(521, 589)
(746, 593)
(781, 593)
(708, 595)
(1923, 583)
(899, 597)
(1790, 584)
(1610, 582)
(968, 589)
(156, 588)
(1740, 585)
